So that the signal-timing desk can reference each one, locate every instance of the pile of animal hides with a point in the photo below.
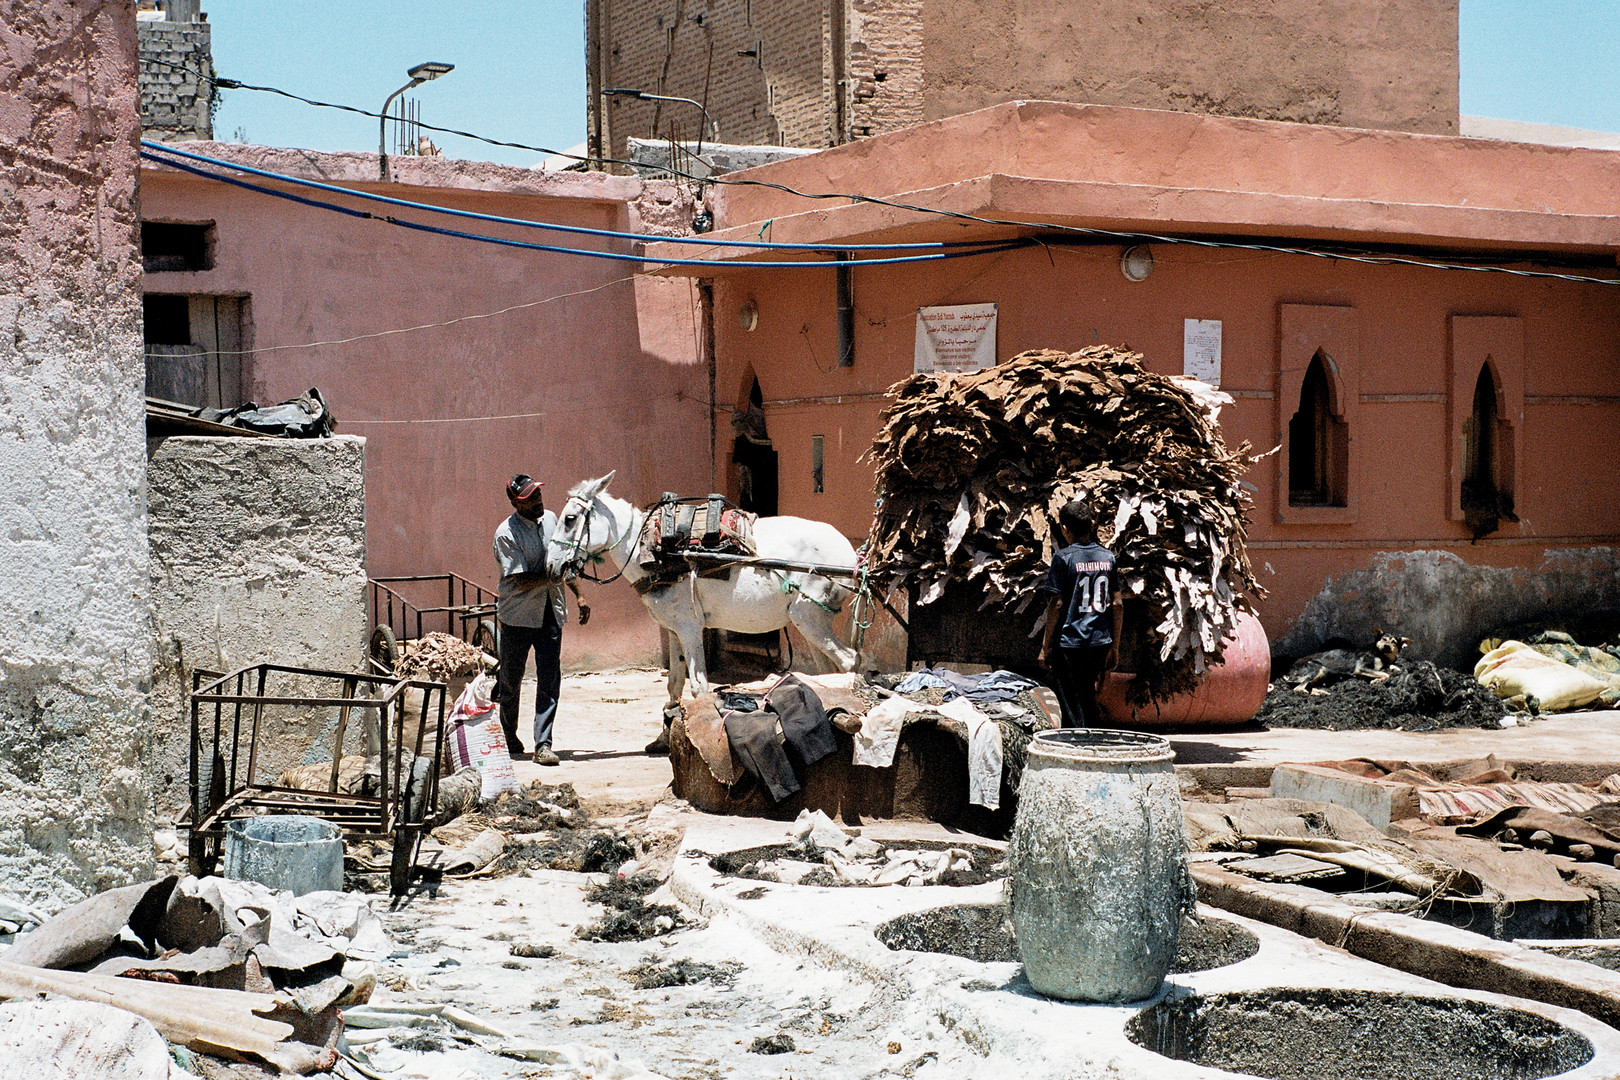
(440, 657)
(972, 470)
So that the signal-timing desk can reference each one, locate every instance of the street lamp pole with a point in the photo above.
(419, 74)
(642, 95)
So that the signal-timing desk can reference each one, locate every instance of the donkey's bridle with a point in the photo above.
(584, 556)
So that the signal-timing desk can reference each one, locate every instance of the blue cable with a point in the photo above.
(1009, 245)
(583, 230)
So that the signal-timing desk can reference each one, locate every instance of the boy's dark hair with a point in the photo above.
(1076, 519)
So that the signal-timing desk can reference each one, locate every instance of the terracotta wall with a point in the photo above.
(1401, 334)
(593, 371)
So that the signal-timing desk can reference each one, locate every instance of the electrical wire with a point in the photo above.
(614, 256)
(1355, 256)
(549, 226)
(426, 326)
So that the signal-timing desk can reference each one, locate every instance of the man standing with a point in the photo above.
(1083, 588)
(531, 609)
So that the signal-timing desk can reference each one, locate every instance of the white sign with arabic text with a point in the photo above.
(957, 338)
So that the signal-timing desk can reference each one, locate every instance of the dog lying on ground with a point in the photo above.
(1323, 669)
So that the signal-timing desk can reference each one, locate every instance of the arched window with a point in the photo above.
(1318, 442)
(1485, 498)
(752, 453)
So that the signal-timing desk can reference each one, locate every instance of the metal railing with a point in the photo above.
(465, 605)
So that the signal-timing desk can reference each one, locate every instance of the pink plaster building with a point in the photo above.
(460, 362)
(1412, 406)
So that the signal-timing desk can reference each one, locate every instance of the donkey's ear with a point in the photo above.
(593, 488)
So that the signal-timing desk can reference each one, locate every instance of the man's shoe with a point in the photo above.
(659, 747)
(544, 756)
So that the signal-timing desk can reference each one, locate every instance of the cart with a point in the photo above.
(266, 704)
(400, 609)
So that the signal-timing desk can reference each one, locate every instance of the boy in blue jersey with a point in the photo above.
(1084, 616)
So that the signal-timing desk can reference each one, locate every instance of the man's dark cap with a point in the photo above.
(523, 487)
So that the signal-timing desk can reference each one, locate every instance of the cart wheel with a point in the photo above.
(385, 647)
(486, 637)
(413, 809)
(203, 854)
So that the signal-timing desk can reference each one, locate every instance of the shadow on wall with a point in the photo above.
(1446, 605)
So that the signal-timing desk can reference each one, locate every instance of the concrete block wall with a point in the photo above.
(176, 81)
(258, 553)
(75, 622)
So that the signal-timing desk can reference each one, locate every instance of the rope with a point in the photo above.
(863, 608)
(789, 587)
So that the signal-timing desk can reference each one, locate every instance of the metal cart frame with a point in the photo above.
(407, 783)
(468, 611)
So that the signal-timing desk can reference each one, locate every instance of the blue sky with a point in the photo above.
(520, 67)
(520, 70)
(1549, 61)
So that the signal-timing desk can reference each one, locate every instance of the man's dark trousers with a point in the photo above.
(516, 641)
(1077, 672)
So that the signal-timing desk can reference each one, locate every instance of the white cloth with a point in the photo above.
(984, 751)
(879, 736)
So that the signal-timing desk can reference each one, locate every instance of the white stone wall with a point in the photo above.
(258, 554)
(75, 625)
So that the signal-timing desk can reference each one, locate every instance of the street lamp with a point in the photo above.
(642, 95)
(419, 74)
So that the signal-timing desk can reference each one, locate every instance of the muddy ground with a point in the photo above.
(556, 950)
(1422, 697)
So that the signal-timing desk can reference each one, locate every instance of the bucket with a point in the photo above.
(1098, 865)
(285, 851)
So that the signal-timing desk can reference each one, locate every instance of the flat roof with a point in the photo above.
(359, 170)
(1031, 163)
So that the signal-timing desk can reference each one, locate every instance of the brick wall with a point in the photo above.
(885, 66)
(176, 80)
(779, 94)
(1358, 63)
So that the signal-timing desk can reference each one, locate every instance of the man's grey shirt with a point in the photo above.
(520, 548)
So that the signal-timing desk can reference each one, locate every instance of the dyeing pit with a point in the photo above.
(989, 864)
(982, 932)
(1305, 1034)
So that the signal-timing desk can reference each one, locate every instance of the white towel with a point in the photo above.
(879, 736)
(984, 751)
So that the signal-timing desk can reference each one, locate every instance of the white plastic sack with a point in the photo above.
(1514, 668)
(476, 738)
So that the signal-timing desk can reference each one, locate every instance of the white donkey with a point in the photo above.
(749, 600)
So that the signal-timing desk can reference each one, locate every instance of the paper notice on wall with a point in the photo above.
(1201, 350)
(957, 338)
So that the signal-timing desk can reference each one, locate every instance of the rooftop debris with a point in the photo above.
(972, 470)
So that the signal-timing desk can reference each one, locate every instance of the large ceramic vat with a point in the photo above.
(1231, 692)
(1098, 865)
